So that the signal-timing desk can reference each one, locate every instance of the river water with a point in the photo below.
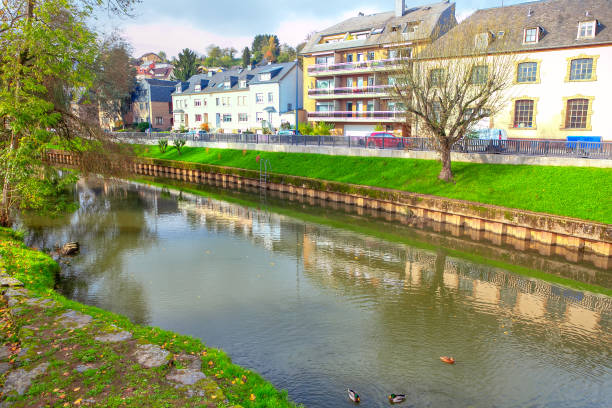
(316, 302)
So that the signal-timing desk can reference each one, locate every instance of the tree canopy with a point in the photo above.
(186, 65)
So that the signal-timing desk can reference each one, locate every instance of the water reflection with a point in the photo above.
(316, 308)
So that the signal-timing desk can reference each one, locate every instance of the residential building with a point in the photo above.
(155, 70)
(152, 103)
(563, 69)
(346, 66)
(239, 100)
(150, 57)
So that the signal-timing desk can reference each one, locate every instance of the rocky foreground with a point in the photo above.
(62, 357)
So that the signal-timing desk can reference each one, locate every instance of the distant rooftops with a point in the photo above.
(235, 79)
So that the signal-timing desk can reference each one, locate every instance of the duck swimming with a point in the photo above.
(397, 398)
(447, 360)
(353, 396)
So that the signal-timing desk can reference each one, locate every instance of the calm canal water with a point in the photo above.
(316, 308)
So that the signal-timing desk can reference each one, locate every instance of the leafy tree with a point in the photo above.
(163, 56)
(47, 55)
(186, 65)
(287, 53)
(261, 44)
(246, 57)
(271, 52)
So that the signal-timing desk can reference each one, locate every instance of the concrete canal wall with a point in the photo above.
(588, 236)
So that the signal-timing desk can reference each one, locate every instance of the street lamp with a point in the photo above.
(297, 93)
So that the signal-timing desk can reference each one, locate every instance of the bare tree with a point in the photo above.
(453, 84)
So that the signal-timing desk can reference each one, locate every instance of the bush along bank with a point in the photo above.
(57, 352)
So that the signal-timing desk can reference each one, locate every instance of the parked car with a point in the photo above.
(288, 132)
(489, 134)
(384, 140)
(196, 134)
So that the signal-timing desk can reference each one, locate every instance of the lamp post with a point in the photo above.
(297, 93)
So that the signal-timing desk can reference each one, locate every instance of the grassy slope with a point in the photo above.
(38, 271)
(570, 191)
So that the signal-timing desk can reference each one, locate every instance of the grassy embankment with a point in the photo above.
(372, 228)
(569, 191)
(38, 272)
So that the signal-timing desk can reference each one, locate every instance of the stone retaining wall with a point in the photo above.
(582, 235)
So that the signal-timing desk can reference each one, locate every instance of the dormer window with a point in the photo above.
(266, 76)
(178, 88)
(531, 35)
(377, 31)
(243, 84)
(586, 29)
(227, 84)
(198, 88)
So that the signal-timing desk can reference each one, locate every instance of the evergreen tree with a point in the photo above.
(186, 66)
(246, 57)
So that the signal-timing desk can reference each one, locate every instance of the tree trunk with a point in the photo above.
(446, 173)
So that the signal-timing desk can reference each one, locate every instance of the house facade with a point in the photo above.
(346, 66)
(563, 68)
(239, 100)
(152, 103)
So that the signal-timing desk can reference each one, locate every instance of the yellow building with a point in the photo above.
(345, 66)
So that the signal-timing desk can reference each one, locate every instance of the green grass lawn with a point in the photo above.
(578, 192)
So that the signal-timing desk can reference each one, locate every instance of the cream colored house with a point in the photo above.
(563, 69)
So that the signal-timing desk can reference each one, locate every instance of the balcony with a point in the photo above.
(339, 93)
(355, 67)
(363, 116)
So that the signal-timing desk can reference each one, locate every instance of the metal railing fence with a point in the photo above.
(552, 148)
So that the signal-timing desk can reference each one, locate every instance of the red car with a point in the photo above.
(384, 140)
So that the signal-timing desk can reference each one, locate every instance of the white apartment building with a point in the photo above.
(239, 100)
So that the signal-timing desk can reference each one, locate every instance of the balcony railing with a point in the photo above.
(370, 89)
(357, 115)
(354, 66)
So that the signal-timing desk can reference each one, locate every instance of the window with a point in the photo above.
(391, 80)
(217, 101)
(360, 82)
(227, 84)
(527, 72)
(370, 106)
(159, 120)
(371, 55)
(479, 74)
(197, 102)
(270, 97)
(198, 88)
(227, 118)
(259, 98)
(577, 113)
(581, 69)
(523, 113)
(243, 117)
(392, 54)
(324, 83)
(370, 81)
(259, 116)
(587, 29)
(531, 36)
(349, 57)
(324, 107)
(377, 31)
(198, 117)
(436, 76)
(289, 107)
(359, 57)
(243, 84)
(266, 76)
(325, 60)
(141, 106)
(437, 111)
(349, 82)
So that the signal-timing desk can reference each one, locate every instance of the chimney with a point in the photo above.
(400, 6)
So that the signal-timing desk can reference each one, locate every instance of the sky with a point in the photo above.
(170, 26)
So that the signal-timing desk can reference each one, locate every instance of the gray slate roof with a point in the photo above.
(211, 84)
(429, 17)
(558, 20)
(161, 90)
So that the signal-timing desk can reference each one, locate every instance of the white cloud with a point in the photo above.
(172, 36)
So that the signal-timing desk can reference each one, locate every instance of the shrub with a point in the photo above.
(163, 145)
(143, 126)
(306, 128)
(322, 129)
(205, 127)
(178, 145)
(182, 129)
(379, 128)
